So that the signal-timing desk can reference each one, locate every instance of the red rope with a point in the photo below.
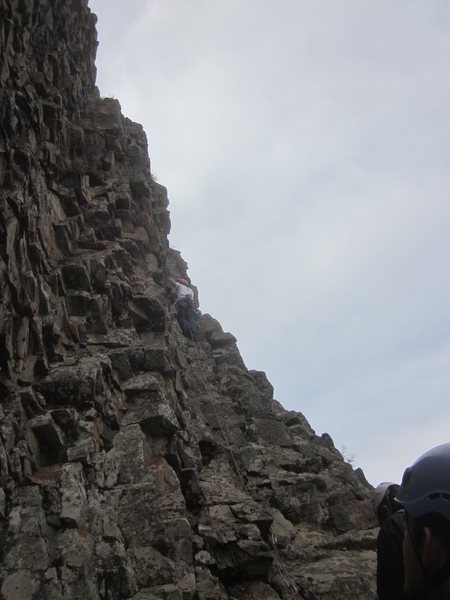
(283, 569)
(219, 423)
(272, 539)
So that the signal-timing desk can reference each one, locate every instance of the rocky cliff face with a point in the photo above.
(133, 462)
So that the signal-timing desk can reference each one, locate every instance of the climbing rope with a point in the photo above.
(219, 423)
(282, 569)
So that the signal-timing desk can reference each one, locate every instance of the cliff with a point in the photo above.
(135, 463)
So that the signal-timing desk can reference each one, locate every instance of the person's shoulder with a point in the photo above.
(396, 522)
(399, 518)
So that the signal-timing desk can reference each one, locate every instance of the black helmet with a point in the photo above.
(425, 485)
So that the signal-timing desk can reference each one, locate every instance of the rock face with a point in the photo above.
(133, 463)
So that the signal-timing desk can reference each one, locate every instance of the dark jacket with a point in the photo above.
(390, 571)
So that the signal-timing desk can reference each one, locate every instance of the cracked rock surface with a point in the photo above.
(116, 476)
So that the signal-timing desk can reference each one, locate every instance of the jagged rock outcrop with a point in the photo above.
(117, 479)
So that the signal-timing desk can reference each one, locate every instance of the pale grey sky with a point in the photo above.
(305, 147)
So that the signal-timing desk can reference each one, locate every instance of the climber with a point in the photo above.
(184, 308)
(390, 571)
(425, 495)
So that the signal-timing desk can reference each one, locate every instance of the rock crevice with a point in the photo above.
(116, 479)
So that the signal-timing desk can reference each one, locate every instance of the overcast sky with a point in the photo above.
(305, 146)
